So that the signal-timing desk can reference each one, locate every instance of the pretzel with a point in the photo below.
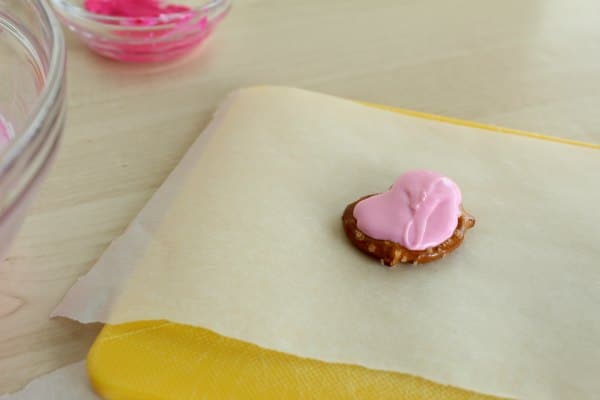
(391, 253)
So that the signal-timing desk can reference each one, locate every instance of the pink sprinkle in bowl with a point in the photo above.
(146, 39)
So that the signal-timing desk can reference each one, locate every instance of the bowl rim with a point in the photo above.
(53, 87)
(73, 10)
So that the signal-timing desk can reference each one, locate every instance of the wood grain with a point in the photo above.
(532, 65)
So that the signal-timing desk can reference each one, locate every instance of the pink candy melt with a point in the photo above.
(6, 132)
(421, 210)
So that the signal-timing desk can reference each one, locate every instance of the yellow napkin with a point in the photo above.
(160, 360)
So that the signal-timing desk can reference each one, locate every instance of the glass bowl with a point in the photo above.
(32, 101)
(143, 39)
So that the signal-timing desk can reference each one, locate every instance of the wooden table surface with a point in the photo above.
(527, 64)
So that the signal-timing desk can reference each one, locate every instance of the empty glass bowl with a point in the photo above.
(32, 97)
(144, 39)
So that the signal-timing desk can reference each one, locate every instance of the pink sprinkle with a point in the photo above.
(133, 8)
(186, 29)
(143, 12)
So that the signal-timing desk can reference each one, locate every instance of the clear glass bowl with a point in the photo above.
(132, 40)
(32, 99)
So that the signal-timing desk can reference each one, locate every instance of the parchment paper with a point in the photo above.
(245, 239)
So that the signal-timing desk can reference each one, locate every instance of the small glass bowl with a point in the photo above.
(127, 39)
(32, 104)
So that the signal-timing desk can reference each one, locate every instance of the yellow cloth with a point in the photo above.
(159, 360)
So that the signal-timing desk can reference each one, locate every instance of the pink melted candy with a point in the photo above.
(6, 132)
(421, 210)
